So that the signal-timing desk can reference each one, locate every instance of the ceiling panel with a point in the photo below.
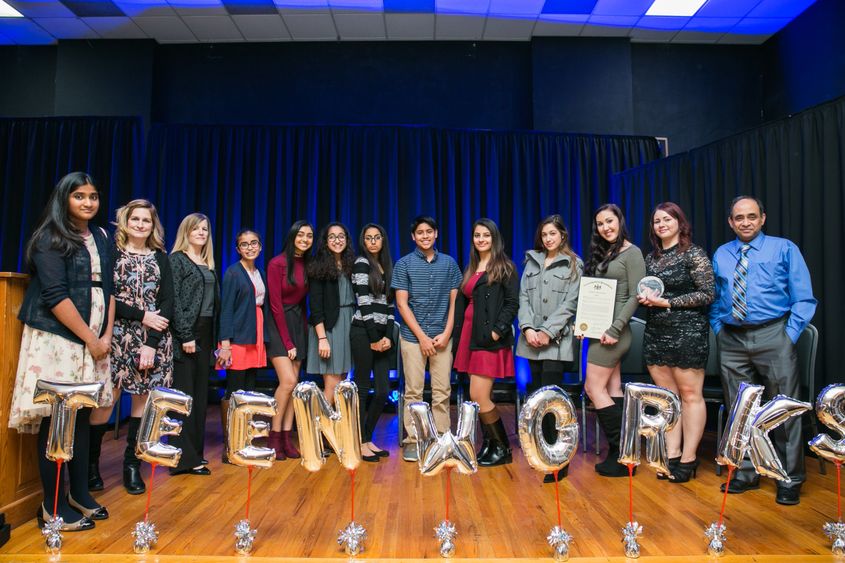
(115, 28)
(508, 29)
(66, 28)
(167, 29)
(558, 25)
(144, 8)
(357, 27)
(311, 27)
(213, 28)
(462, 6)
(20, 31)
(41, 9)
(516, 7)
(262, 27)
(405, 27)
(457, 27)
(726, 8)
(199, 7)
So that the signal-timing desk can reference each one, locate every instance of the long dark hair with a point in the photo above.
(565, 247)
(55, 226)
(379, 282)
(602, 252)
(500, 267)
(323, 265)
(684, 228)
(290, 249)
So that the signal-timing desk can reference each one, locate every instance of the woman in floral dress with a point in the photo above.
(68, 312)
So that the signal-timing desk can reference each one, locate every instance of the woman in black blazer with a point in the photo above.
(332, 306)
(197, 306)
(484, 312)
(243, 332)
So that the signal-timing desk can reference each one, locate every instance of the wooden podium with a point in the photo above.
(20, 485)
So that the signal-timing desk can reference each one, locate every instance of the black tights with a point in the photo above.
(240, 380)
(546, 372)
(77, 469)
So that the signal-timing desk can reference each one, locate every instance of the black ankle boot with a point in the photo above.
(610, 420)
(500, 448)
(95, 481)
(132, 480)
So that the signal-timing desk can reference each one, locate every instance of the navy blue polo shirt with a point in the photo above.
(428, 285)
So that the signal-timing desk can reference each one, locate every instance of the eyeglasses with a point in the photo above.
(249, 244)
(334, 237)
(374, 238)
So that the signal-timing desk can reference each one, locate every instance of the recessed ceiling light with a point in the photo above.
(675, 7)
(7, 11)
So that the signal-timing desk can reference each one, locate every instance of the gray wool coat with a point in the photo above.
(548, 298)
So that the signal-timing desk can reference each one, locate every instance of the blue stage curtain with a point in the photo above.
(36, 152)
(795, 166)
(266, 177)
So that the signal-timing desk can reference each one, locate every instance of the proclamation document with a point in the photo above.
(595, 307)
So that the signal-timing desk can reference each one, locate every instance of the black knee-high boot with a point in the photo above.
(610, 420)
(74, 521)
(132, 480)
(95, 481)
(499, 452)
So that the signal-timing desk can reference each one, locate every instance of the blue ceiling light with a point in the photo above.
(674, 7)
(515, 7)
(367, 5)
(621, 7)
(94, 9)
(414, 6)
(302, 4)
(726, 8)
(250, 7)
(22, 31)
(759, 26)
(6, 11)
(780, 8)
(711, 25)
(569, 6)
(667, 23)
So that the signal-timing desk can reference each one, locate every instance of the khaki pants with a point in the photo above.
(440, 370)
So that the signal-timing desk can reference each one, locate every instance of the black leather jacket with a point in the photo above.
(56, 278)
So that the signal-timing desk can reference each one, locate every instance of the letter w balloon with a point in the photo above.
(830, 408)
(441, 451)
(314, 416)
(541, 455)
(748, 430)
(636, 422)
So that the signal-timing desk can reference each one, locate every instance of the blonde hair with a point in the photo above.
(121, 236)
(187, 225)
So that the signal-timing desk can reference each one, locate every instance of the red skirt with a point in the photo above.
(246, 356)
(489, 363)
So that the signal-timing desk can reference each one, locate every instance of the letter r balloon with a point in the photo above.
(636, 422)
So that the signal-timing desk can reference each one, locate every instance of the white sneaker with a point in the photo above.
(409, 452)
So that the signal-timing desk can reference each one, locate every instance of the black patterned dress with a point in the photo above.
(137, 279)
(677, 336)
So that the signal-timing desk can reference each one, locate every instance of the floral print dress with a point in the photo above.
(137, 280)
(45, 355)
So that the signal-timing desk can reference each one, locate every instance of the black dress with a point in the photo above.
(677, 336)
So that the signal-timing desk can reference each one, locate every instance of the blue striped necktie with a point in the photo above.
(739, 306)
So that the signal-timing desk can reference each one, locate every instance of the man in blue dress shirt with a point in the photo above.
(426, 283)
(764, 300)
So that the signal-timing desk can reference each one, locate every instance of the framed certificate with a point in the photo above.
(594, 316)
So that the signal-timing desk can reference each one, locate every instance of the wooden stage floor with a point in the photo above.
(502, 512)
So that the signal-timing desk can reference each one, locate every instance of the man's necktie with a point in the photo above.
(739, 307)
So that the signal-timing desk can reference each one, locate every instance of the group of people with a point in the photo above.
(125, 313)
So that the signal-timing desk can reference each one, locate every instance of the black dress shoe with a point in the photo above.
(99, 513)
(203, 461)
(80, 525)
(371, 458)
(738, 486)
(788, 495)
(95, 481)
(191, 471)
(381, 453)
